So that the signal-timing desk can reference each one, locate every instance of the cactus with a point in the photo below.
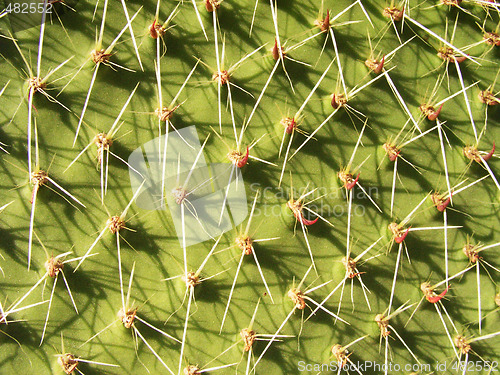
(361, 136)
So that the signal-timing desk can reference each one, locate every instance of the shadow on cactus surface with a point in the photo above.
(363, 133)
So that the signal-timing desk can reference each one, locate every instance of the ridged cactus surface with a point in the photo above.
(360, 230)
